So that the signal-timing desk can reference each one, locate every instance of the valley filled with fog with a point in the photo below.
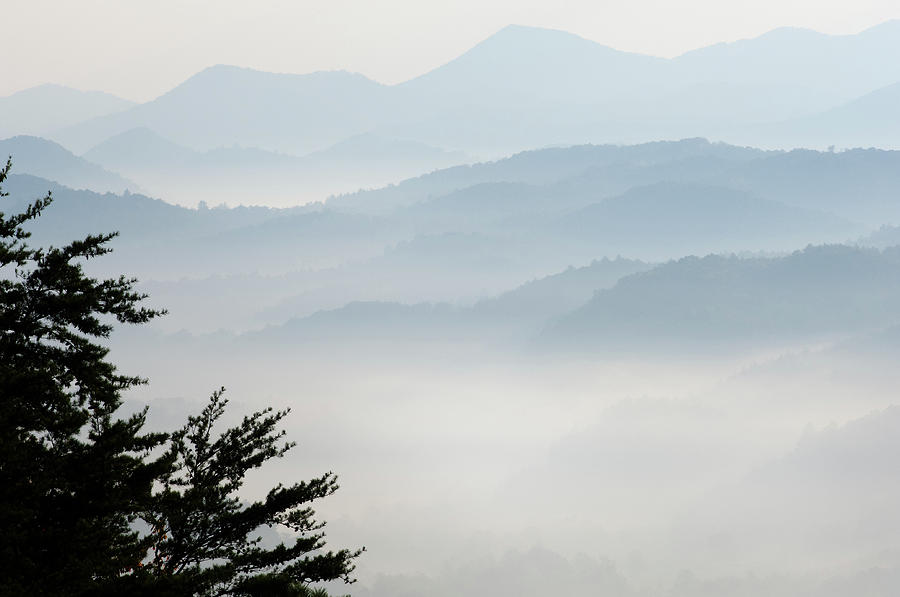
(564, 320)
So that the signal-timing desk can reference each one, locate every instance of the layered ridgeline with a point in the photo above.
(858, 185)
(819, 293)
(527, 87)
(236, 175)
(702, 483)
(671, 365)
(159, 240)
(235, 135)
(703, 304)
(466, 233)
(39, 157)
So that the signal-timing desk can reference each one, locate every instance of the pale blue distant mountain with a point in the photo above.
(528, 66)
(165, 241)
(514, 315)
(520, 312)
(535, 303)
(143, 221)
(858, 186)
(871, 120)
(142, 149)
(789, 71)
(815, 293)
(238, 174)
(594, 93)
(692, 304)
(39, 110)
(226, 105)
(657, 221)
(137, 150)
(583, 167)
(40, 157)
(471, 232)
(664, 220)
(524, 87)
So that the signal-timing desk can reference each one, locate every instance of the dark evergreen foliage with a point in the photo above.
(72, 475)
(75, 477)
(203, 533)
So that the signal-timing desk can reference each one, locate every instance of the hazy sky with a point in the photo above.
(140, 48)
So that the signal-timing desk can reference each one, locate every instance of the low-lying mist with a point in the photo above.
(616, 370)
(460, 462)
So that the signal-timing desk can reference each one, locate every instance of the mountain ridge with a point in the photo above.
(521, 87)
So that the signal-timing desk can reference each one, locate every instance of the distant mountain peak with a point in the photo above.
(230, 79)
(55, 90)
(535, 40)
(140, 140)
(532, 65)
(533, 31)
